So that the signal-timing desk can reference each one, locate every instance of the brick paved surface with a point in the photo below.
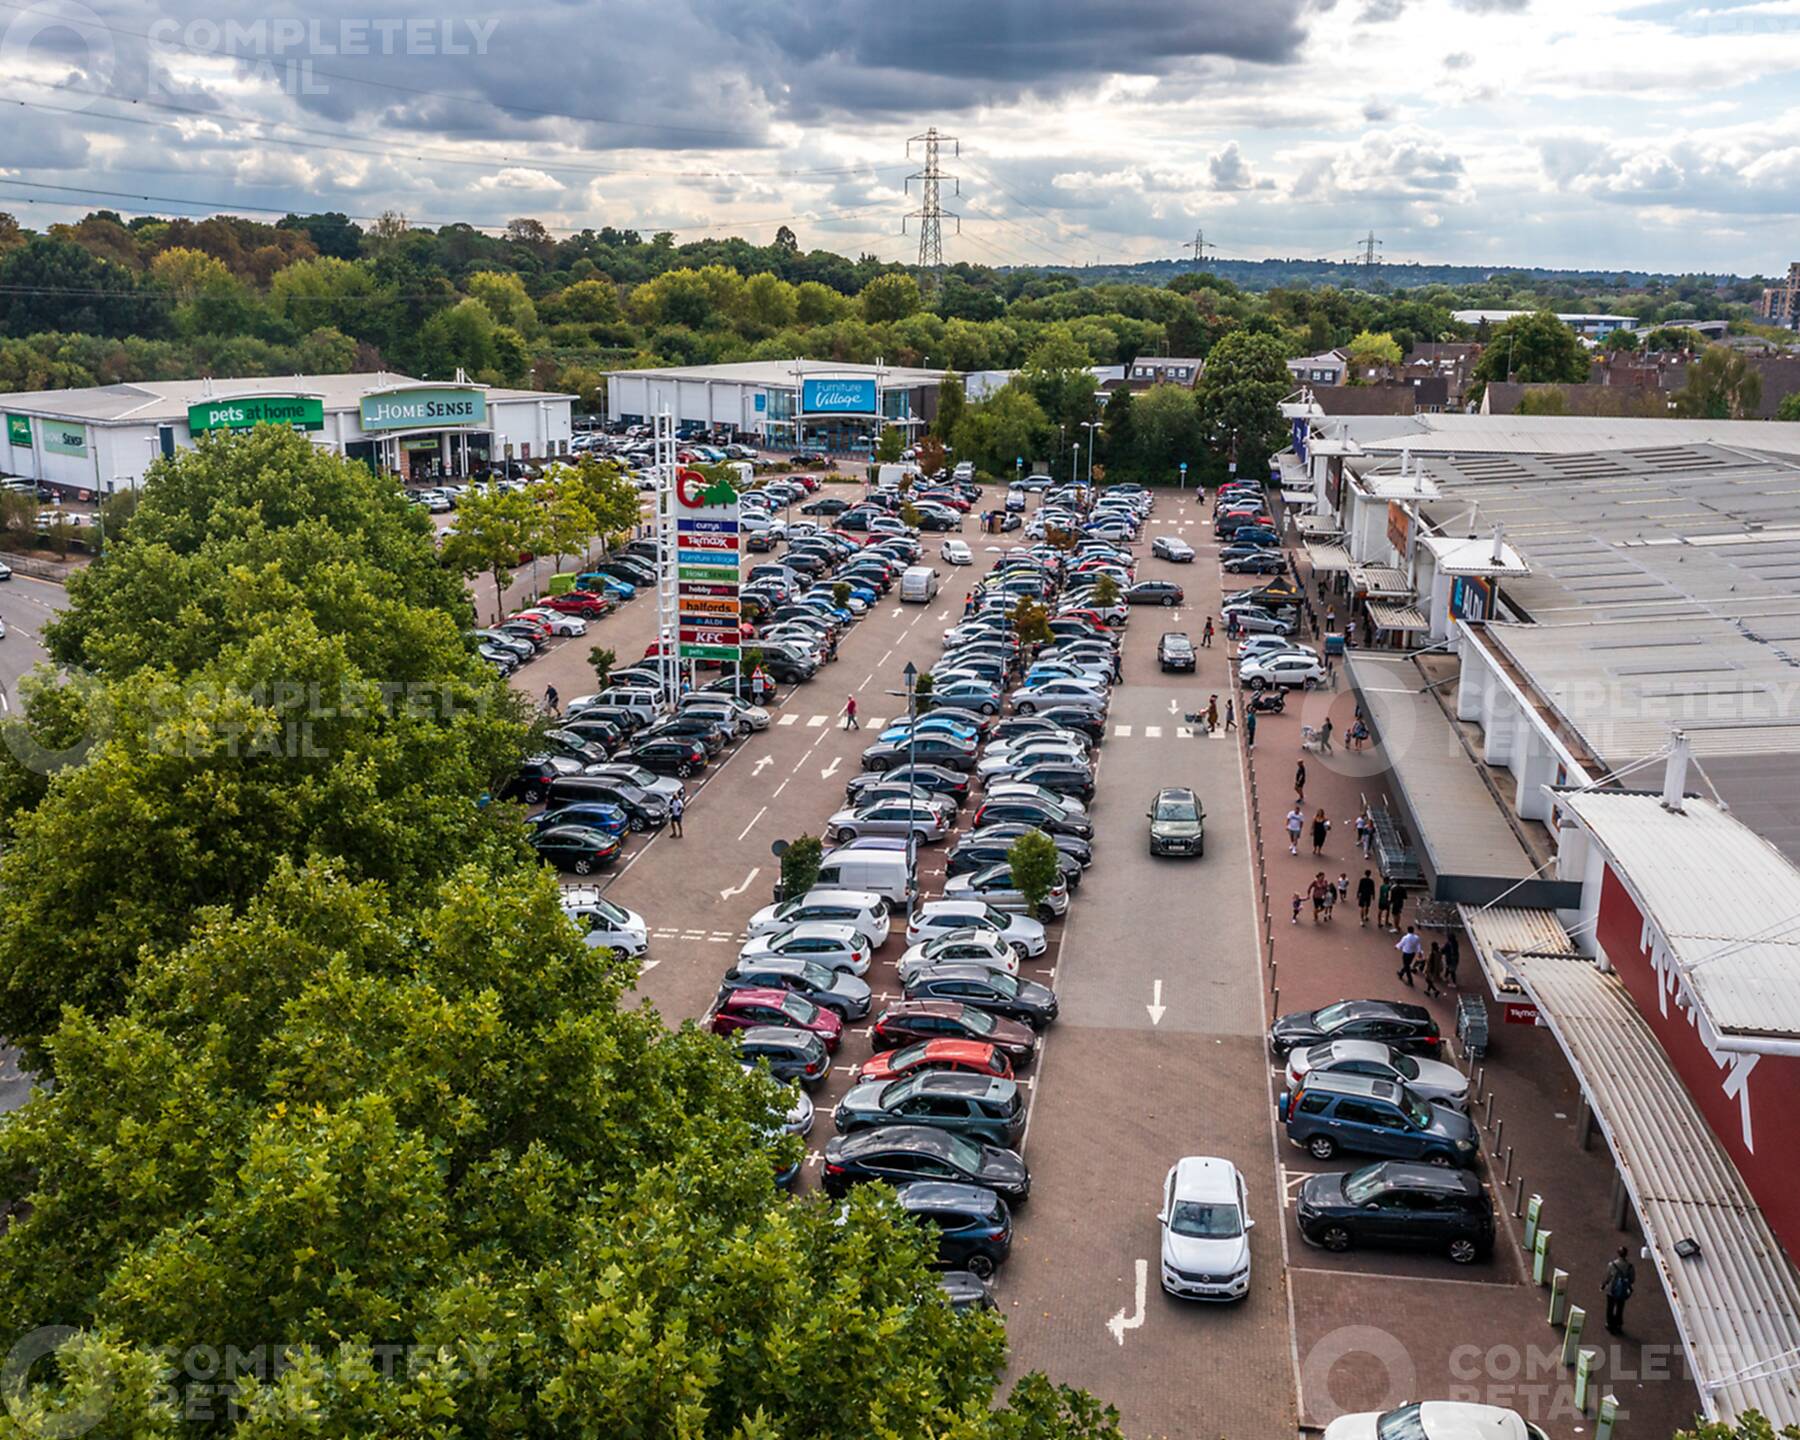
(1378, 1328)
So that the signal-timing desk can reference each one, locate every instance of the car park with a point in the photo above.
(793, 1055)
(913, 1020)
(1406, 1027)
(1329, 1113)
(992, 990)
(1396, 1205)
(1206, 1224)
(1172, 548)
(832, 944)
(981, 1107)
(901, 1153)
(861, 911)
(836, 990)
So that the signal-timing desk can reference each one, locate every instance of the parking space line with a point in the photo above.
(753, 819)
(1404, 1279)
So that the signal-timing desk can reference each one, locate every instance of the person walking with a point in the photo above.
(1321, 827)
(1298, 899)
(1409, 947)
(1383, 902)
(1230, 716)
(1250, 729)
(1365, 893)
(1300, 783)
(1331, 621)
(1296, 822)
(1396, 907)
(1350, 634)
(1434, 969)
(1365, 832)
(850, 714)
(1316, 892)
(1206, 635)
(1343, 886)
(677, 808)
(1452, 958)
(552, 701)
(1330, 901)
(1325, 737)
(1212, 714)
(1620, 1281)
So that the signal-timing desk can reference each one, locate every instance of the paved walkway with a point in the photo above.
(1375, 1329)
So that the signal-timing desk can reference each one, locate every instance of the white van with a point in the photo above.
(891, 477)
(644, 703)
(918, 583)
(881, 872)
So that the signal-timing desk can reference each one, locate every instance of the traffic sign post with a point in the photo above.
(1183, 482)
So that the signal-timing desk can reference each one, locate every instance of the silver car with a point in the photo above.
(928, 820)
(994, 884)
(1079, 693)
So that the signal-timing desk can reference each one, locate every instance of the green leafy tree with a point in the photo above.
(1057, 376)
(494, 532)
(1721, 385)
(1035, 867)
(1535, 348)
(952, 405)
(601, 661)
(1166, 423)
(840, 594)
(1106, 591)
(1239, 398)
(505, 298)
(888, 298)
(1118, 436)
(909, 514)
(1006, 425)
(1750, 1425)
(1621, 342)
(1368, 351)
(890, 444)
(1789, 409)
(923, 689)
(1030, 622)
(606, 494)
(1547, 400)
(800, 864)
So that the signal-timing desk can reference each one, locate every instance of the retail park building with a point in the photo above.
(779, 404)
(99, 440)
(1586, 695)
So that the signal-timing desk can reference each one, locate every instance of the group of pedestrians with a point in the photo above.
(1438, 966)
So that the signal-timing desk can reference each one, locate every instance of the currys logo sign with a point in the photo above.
(838, 397)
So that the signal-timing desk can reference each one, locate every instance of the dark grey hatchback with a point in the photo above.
(980, 1106)
(902, 1153)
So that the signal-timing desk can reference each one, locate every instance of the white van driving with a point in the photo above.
(918, 583)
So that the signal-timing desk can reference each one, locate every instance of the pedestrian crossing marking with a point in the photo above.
(813, 722)
(1153, 732)
(1122, 731)
(878, 722)
(1184, 732)
(788, 720)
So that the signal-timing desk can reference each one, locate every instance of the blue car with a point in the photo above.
(606, 585)
(825, 607)
(934, 724)
(608, 819)
(1256, 535)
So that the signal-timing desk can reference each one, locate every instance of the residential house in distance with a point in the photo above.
(1454, 360)
(1148, 370)
(1426, 394)
(1330, 368)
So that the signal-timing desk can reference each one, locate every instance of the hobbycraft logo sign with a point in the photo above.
(415, 409)
(298, 411)
(838, 397)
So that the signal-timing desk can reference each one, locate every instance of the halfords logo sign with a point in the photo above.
(298, 411)
(838, 397)
(417, 409)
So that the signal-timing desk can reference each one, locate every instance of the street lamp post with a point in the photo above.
(912, 749)
(1090, 426)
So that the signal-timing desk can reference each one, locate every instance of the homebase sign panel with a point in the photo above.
(837, 397)
(419, 409)
(706, 568)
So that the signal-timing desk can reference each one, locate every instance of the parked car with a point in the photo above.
(1206, 1224)
(1177, 823)
(1330, 1113)
(926, 820)
(669, 756)
(995, 885)
(607, 925)
(863, 911)
(1435, 1420)
(972, 1224)
(1429, 1079)
(971, 1057)
(913, 1020)
(1395, 1204)
(992, 990)
(1257, 621)
(1282, 667)
(939, 917)
(1257, 562)
(747, 1009)
(575, 847)
(1408, 1028)
(899, 1153)
(832, 944)
(794, 1055)
(949, 752)
(836, 990)
(975, 945)
(982, 1107)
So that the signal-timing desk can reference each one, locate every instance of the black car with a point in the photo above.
(697, 728)
(946, 751)
(992, 990)
(984, 848)
(1176, 652)
(1154, 592)
(575, 847)
(532, 781)
(1261, 562)
(1393, 1203)
(1062, 777)
(1079, 850)
(1077, 718)
(973, 1229)
(626, 722)
(793, 1055)
(1024, 809)
(899, 1153)
(643, 811)
(603, 733)
(1393, 1022)
(825, 505)
(574, 747)
(1015, 726)
(933, 779)
(673, 756)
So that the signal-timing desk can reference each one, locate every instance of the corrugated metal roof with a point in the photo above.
(1452, 433)
(1511, 930)
(164, 401)
(1327, 558)
(1737, 1304)
(1727, 900)
(1381, 580)
(1407, 618)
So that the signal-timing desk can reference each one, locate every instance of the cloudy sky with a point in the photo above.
(1661, 135)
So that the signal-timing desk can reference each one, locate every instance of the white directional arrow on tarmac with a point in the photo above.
(757, 769)
(1120, 1323)
(830, 769)
(1174, 706)
(1156, 1008)
(648, 965)
(740, 889)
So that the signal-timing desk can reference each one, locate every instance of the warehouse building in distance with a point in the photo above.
(93, 442)
(779, 404)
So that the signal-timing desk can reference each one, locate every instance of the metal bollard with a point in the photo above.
(1480, 1081)
(1272, 984)
(1275, 1002)
(1506, 1174)
(1519, 1196)
(1487, 1118)
(1499, 1132)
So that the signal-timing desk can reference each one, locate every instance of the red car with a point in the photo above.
(746, 1009)
(912, 1020)
(973, 1057)
(810, 482)
(588, 604)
